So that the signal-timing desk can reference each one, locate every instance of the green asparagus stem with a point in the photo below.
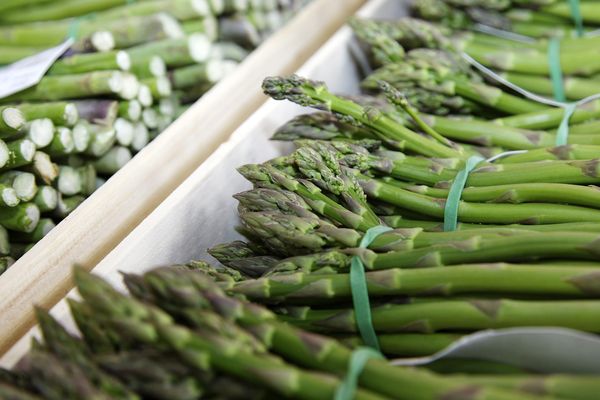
(80, 180)
(498, 279)
(46, 198)
(61, 113)
(21, 218)
(44, 226)
(43, 168)
(316, 95)
(22, 182)
(20, 153)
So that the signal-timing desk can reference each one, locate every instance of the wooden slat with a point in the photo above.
(43, 275)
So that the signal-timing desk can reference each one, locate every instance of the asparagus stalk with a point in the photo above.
(207, 26)
(46, 198)
(496, 279)
(66, 205)
(91, 84)
(113, 160)
(431, 316)
(209, 72)
(44, 226)
(62, 143)
(20, 153)
(89, 62)
(141, 137)
(408, 344)
(130, 110)
(154, 67)
(43, 167)
(80, 180)
(41, 132)
(23, 183)
(316, 95)
(8, 196)
(52, 10)
(174, 52)
(60, 113)
(23, 217)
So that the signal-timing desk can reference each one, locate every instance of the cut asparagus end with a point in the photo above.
(65, 138)
(66, 205)
(114, 160)
(27, 150)
(41, 132)
(4, 244)
(211, 28)
(145, 96)
(134, 110)
(71, 115)
(157, 66)
(150, 118)
(44, 167)
(124, 131)
(115, 82)
(163, 86)
(217, 6)
(4, 153)
(101, 142)
(167, 107)
(170, 26)
(13, 118)
(199, 47)
(163, 122)
(25, 186)
(69, 181)
(9, 197)
(46, 198)
(45, 226)
(240, 5)
(23, 218)
(130, 87)
(81, 137)
(103, 41)
(201, 7)
(123, 60)
(141, 137)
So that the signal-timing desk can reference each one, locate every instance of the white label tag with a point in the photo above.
(30, 70)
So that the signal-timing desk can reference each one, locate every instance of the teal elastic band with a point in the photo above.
(74, 28)
(360, 293)
(456, 189)
(577, 18)
(358, 360)
(562, 134)
(556, 74)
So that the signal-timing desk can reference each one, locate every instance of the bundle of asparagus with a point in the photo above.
(134, 67)
(525, 253)
(544, 18)
(181, 337)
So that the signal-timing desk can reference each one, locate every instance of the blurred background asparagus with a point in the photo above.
(135, 66)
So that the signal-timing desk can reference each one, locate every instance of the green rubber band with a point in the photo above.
(577, 18)
(74, 28)
(360, 293)
(562, 134)
(358, 360)
(556, 74)
(455, 193)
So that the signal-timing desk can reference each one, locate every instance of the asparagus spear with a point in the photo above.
(43, 167)
(66, 204)
(197, 348)
(497, 279)
(23, 217)
(130, 110)
(44, 226)
(23, 183)
(20, 153)
(431, 316)
(316, 95)
(62, 143)
(60, 113)
(175, 52)
(41, 132)
(80, 180)
(113, 160)
(99, 83)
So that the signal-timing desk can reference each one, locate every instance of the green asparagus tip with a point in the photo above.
(294, 88)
